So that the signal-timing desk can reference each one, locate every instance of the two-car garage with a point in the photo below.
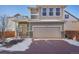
(46, 32)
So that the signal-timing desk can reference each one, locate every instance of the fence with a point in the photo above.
(8, 34)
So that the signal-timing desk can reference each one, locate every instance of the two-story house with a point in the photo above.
(47, 21)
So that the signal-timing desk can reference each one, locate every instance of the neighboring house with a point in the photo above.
(12, 25)
(71, 22)
(46, 21)
(71, 27)
(9, 27)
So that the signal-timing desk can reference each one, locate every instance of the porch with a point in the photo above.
(23, 29)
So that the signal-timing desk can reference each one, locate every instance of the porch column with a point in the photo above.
(17, 29)
(29, 30)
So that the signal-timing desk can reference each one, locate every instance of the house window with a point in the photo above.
(57, 11)
(66, 16)
(50, 11)
(44, 10)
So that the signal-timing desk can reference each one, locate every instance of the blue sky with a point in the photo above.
(11, 10)
(73, 9)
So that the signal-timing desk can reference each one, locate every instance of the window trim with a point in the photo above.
(50, 11)
(43, 12)
(58, 12)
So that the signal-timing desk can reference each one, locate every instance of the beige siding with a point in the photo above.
(71, 25)
(54, 16)
(37, 12)
(10, 25)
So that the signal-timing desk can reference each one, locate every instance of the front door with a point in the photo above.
(23, 29)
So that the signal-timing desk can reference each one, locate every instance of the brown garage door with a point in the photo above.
(46, 32)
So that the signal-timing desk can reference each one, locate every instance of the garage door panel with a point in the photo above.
(46, 32)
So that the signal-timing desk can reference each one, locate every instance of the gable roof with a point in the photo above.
(16, 15)
(72, 15)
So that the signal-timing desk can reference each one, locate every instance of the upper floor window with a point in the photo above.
(44, 10)
(57, 11)
(66, 16)
(50, 11)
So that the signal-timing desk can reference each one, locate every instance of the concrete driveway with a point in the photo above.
(49, 47)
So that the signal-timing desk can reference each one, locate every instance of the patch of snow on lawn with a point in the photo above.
(22, 46)
(72, 42)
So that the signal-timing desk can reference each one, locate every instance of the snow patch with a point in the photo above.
(72, 42)
(8, 39)
(18, 47)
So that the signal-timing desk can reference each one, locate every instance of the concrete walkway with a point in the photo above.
(49, 47)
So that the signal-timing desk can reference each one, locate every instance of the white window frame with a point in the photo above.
(56, 11)
(42, 12)
(49, 11)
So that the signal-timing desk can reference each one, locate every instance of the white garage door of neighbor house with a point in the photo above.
(46, 32)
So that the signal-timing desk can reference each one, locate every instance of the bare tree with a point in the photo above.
(4, 22)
